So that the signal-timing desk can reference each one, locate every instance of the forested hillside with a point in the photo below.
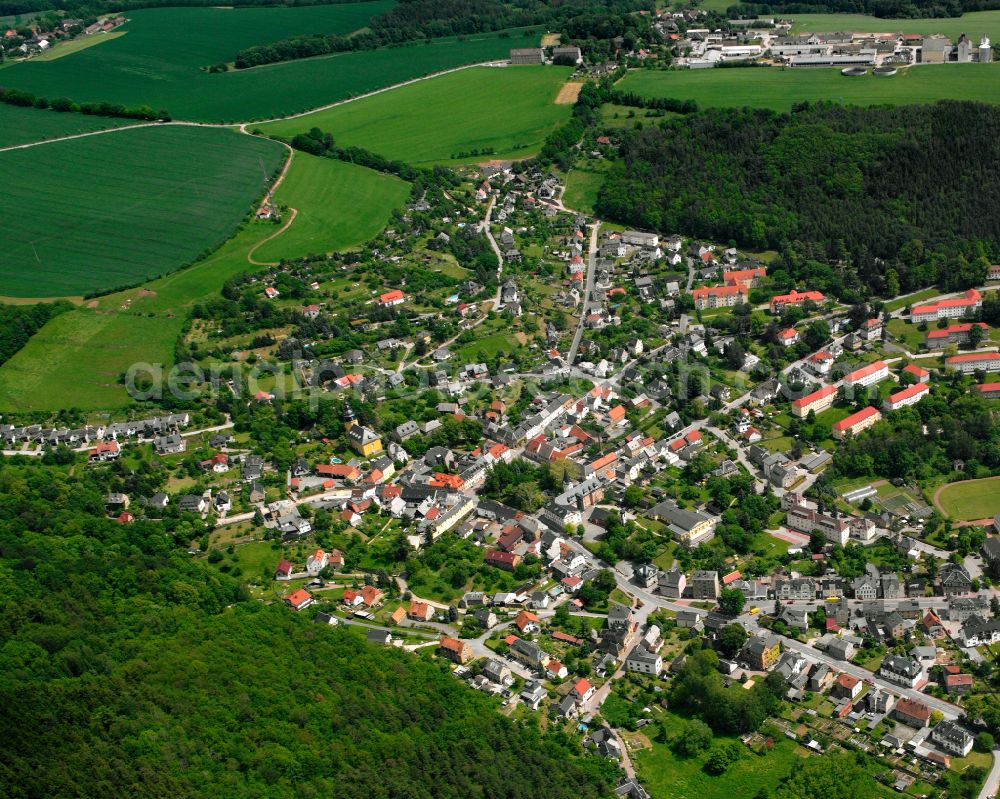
(908, 196)
(130, 669)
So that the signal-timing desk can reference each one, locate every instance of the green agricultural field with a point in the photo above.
(432, 121)
(338, 205)
(970, 500)
(779, 88)
(26, 125)
(975, 24)
(162, 58)
(80, 354)
(120, 208)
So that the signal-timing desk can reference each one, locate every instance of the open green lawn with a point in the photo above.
(161, 61)
(779, 88)
(582, 185)
(510, 110)
(25, 125)
(911, 299)
(76, 45)
(75, 360)
(970, 500)
(910, 335)
(665, 774)
(974, 24)
(339, 205)
(116, 209)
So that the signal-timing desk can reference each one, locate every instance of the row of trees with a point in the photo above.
(25, 99)
(425, 20)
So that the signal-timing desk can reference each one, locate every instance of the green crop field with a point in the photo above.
(434, 120)
(974, 24)
(162, 58)
(82, 353)
(970, 500)
(779, 88)
(25, 125)
(122, 207)
(338, 205)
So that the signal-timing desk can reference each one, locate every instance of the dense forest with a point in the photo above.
(887, 9)
(131, 669)
(93, 8)
(413, 20)
(906, 197)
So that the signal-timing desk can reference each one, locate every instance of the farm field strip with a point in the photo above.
(778, 89)
(80, 225)
(161, 61)
(973, 23)
(20, 126)
(422, 123)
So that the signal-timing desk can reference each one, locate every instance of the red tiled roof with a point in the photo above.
(855, 418)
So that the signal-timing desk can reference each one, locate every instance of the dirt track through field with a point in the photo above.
(568, 93)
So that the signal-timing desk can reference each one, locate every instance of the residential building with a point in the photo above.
(967, 305)
(719, 297)
(687, 526)
(705, 584)
(974, 361)
(868, 375)
(454, 649)
(901, 670)
(912, 713)
(761, 652)
(641, 659)
(856, 422)
(816, 402)
(957, 335)
(910, 395)
(795, 298)
(952, 738)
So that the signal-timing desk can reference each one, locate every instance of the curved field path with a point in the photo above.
(262, 242)
(936, 499)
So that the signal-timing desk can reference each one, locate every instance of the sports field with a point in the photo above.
(778, 88)
(974, 24)
(508, 109)
(338, 205)
(122, 207)
(24, 125)
(970, 500)
(160, 62)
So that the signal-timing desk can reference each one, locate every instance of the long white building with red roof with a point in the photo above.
(868, 375)
(967, 364)
(910, 395)
(856, 422)
(968, 304)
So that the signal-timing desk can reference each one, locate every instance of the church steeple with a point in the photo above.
(348, 416)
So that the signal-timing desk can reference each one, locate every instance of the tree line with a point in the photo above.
(23, 99)
(886, 9)
(18, 323)
(425, 20)
(904, 196)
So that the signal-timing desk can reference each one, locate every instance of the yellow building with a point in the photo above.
(364, 441)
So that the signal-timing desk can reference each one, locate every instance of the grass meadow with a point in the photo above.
(778, 88)
(339, 205)
(509, 109)
(77, 358)
(162, 58)
(25, 125)
(116, 209)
